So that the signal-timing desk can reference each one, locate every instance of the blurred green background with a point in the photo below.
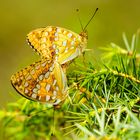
(17, 18)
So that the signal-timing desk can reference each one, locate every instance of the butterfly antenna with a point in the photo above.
(77, 10)
(90, 19)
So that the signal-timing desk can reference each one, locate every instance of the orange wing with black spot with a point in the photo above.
(42, 81)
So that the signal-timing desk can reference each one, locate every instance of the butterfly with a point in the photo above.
(57, 43)
(43, 81)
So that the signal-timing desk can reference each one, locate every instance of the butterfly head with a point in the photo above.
(84, 34)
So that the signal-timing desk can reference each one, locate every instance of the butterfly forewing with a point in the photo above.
(56, 42)
(42, 42)
(40, 82)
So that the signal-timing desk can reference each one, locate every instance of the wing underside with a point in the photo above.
(55, 43)
(42, 81)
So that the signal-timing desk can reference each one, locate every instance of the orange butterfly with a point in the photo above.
(58, 43)
(43, 81)
(67, 44)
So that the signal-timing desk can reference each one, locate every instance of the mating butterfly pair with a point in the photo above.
(45, 81)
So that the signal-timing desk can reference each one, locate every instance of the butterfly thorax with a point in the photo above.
(84, 37)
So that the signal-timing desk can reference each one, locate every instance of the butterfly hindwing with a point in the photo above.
(40, 82)
(56, 42)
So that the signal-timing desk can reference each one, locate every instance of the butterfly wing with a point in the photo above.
(56, 42)
(41, 42)
(42, 81)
